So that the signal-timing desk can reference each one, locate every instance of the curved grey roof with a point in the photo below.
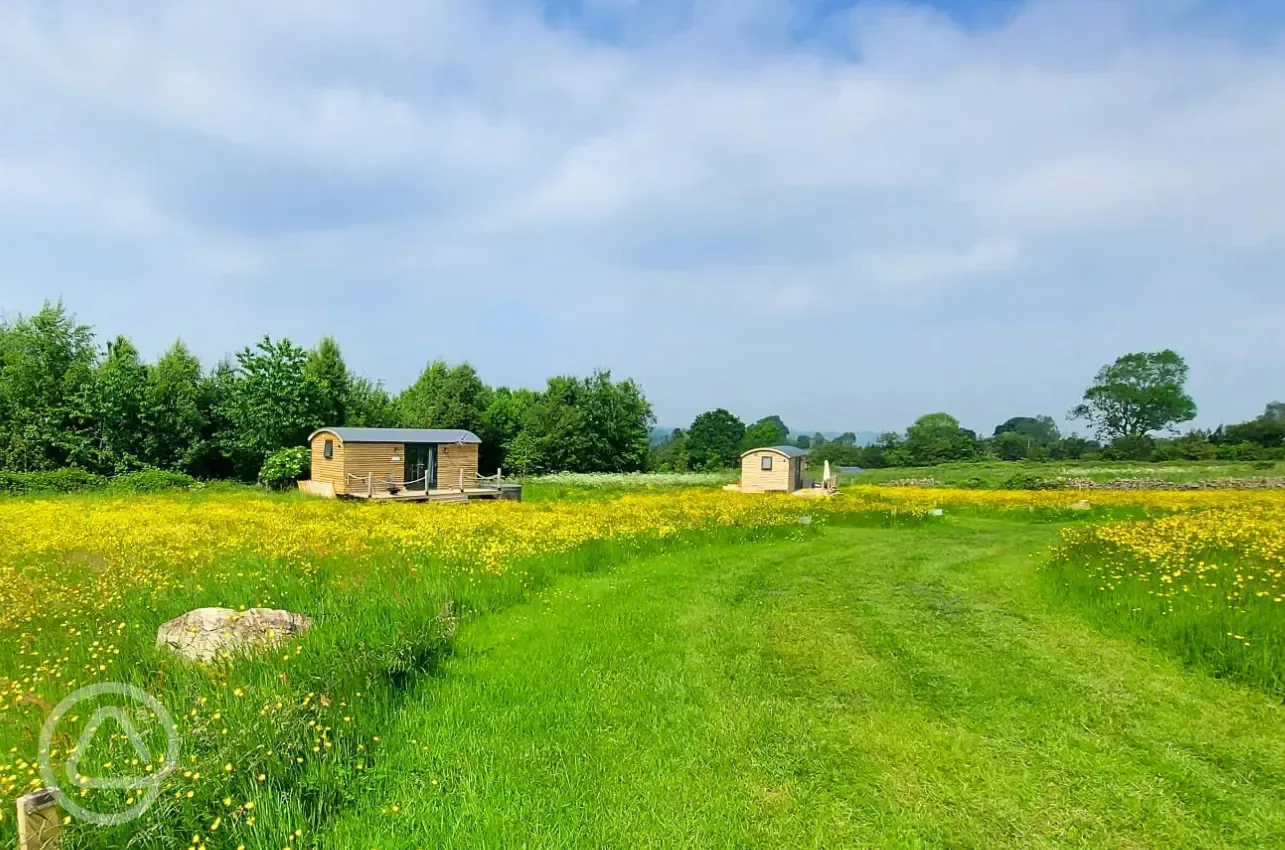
(788, 451)
(400, 435)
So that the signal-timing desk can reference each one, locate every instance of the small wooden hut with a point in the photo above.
(773, 469)
(381, 462)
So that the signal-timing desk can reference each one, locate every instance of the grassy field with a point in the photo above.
(912, 688)
(995, 473)
(682, 667)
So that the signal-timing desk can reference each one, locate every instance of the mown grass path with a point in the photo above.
(867, 688)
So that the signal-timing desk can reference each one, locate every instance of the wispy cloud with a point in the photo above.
(882, 212)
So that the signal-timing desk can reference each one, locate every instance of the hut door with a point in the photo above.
(421, 464)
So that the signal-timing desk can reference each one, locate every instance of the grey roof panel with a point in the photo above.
(788, 451)
(401, 435)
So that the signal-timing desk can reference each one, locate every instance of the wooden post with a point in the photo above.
(38, 821)
(370, 485)
(461, 479)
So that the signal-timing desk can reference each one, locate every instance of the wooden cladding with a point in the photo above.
(456, 464)
(782, 475)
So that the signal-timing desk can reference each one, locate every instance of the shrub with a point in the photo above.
(286, 466)
(1027, 481)
(150, 481)
(57, 481)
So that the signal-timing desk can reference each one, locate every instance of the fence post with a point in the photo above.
(38, 821)
(370, 485)
(461, 479)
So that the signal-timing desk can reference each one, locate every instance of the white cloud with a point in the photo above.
(328, 166)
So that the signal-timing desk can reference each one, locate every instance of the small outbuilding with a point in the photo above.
(370, 462)
(772, 469)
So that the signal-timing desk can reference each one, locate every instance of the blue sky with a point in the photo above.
(846, 213)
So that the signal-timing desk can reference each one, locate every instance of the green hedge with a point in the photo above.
(77, 480)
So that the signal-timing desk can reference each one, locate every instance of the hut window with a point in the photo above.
(330, 449)
(767, 463)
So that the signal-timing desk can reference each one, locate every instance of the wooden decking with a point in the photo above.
(466, 495)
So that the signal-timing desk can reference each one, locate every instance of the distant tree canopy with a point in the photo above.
(769, 431)
(64, 402)
(1137, 394)
(714, 440)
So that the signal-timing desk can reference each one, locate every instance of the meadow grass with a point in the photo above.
(376, 717)
(1209, 586)
(993, 473)
(867, 688)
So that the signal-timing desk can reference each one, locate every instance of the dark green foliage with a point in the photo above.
(117, 409)
(586, 425)
(150, 481)
(368, 404)
(270, 403)
(173, 414)
(770, 431)
(66, 480)
(1028, 481)
(46, 386)
(839, 454)
(329, 383)
(714, 440)
(672, 454)
(284, 467)
(1137, 394)
(938, 438)
(444, 397)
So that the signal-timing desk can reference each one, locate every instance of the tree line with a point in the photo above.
(66, 402)
(1131, 405)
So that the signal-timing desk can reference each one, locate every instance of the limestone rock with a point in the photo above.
(211, 634)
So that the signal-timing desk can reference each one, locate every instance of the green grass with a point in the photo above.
(916, 688)
(568, 486)
(995, 472)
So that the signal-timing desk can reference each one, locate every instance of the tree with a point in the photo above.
(847, 438)
(803, 441)
(1137, 394)
(329, 381)
(369, 405)
(937, 438)
(586, 425)
(1275, 412)
(172, 415)
(444, 397)
(118, 399)
(1039, 429)
(672, 454)
(502, 422)
(1266, 430)
(269, 405)
(769, 431)
(46, 381)
(714, 440)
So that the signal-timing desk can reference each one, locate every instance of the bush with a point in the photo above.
(57, 481)
(150, 481)
(1027, 481)
(286, 466)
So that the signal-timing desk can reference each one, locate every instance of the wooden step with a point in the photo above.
(449, 498)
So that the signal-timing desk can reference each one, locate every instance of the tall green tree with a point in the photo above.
(714, 440)
(588, 425)
(502, 421)
(369, 405)
(1040, 429)
(1137, 394)
(671, 455)
(173, 418)
(444, 397)
(768, 431)
(270, 404)
(119, 399)
(328, 377)
(937, 438)
(46, 382)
